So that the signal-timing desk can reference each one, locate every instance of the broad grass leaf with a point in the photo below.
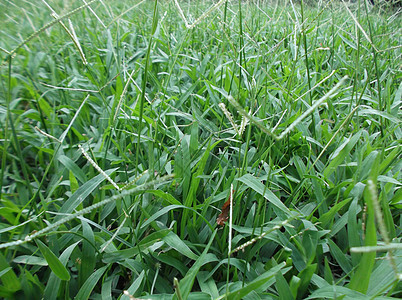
(354, 238)
(134, 286)
(348, 42)
(305, 279)
(71, 166)
(387, 214)
(388, 160)
(54, 263)
(4, 271)
(106, 291)
(207, 284)
(169, 208)
(336, 292)
(328, 218)
(53, 284)
(86, 289)
(166, 196)
(341, 223)
(359, 280)
(145, 243)
(383, 274)
(186, 284)
(255, 284)
(176, 243)
(30, 260)
(88, 258)
(235, 262)
(282, 287)
(387, 179)
(340, 154)
(256, 185)
(339, 256)
(8, 278)
(174, 262)
(81, 194)
(73, 182)
(383, 114)
(195, 182)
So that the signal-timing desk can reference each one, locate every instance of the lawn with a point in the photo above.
(200, 150)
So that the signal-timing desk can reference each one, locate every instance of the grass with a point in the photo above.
(126, 126)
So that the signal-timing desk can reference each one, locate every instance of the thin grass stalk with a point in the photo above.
(96, 16)
(253, 240)
(387, 247)
(229, 236)
(303, 33)
(177, 288)
(230, 221)
(71, 33)
(357, 66)
(144, 83)
(48, 25)
(5, 145)
(381, 225)
(95, 165)
(224, 30)
(15, 137)
(378, 77)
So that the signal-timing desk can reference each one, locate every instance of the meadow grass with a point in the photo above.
(129, 127)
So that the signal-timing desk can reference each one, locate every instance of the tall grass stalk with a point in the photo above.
(144, 82)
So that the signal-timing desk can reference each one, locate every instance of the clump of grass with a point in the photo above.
(124, 133)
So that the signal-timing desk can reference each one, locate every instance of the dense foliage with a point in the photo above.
(129, 127)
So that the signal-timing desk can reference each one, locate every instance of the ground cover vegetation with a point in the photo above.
(200, 150)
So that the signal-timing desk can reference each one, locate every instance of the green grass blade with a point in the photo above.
(54, 263)
(86, 290)
(187, 282)
(53, 284)
(359, 281)
(256, 185)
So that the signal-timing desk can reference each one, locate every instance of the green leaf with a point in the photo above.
(359, 280)
(305, 279)
(328, 218)
(340, 257)
(71, 166)
(283, 287)
(254, 285)
(135, 285)
(339, 155)
(383, 275)
(165, 196)
(176, 243)
(53, 284)
(30, 260)
(144, 244)
(207, 284)
(8, 277)
(256, 185)
(54, 263)
(73, 182)
(81, 194)
(187, 282)
(88, 259)
(90, 283)
(167, 209)
(336, 292)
